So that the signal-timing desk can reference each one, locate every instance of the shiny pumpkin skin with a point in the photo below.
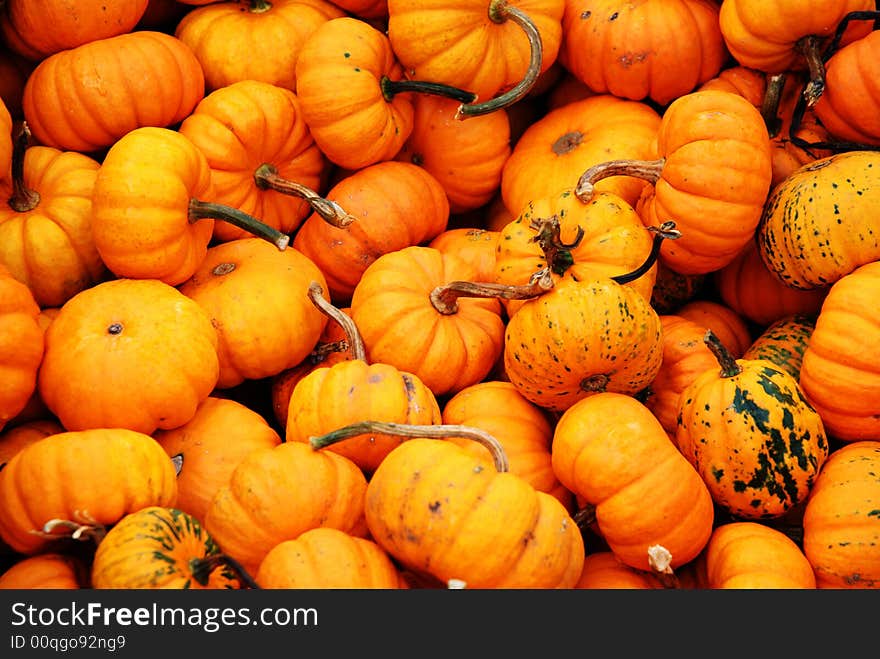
(784, 342)
(244, 40)
(714, 180)
(142, 78)
(158, 547)
(338, 82)
(128, 353)
(440, 511)
(614, 242)
(140, 206)
(579, 338)
(276, 494)
(243, 126)
(22, 345)
(209, 446)
(728, 325)
(848, 107)
(461, 43)
(49, 570)
(327, 558)
(49, 247)
(840, 519)
(472, 244)
(819, 224)
(521, 427)
(257, 299)
(751, 555)
(557, 148)
(642, 50)
(351, 391)
(396, 205)
(612, 452)
(839, 373)
(15, 438)
(400, 326)
(36, 29)
(752, 436)
(92, 476)
(762, 34)
(466, 157)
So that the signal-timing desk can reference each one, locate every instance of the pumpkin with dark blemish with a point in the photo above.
(580, 338)
(751, 434)
(840, 370)
(160, 547)
(784, 343)
(842, 518)
(821, 222)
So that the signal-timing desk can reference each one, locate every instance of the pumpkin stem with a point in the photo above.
(203, 567)
(649, 170)
(445, 298)
(729, 367)
(355, 340)
(390, 88)
(266, 178)
(809, 48)
(500, 11)
(665, 231)
(199, 210)
(408, 430)
(660, 560)
(585, 516)
(770, 103)
(557, 254)
(260, 6)
(22, 199)
(78, 530)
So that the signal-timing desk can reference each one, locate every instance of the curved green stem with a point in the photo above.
(266, 178)
(665, 231)
(199, 210)
(445, 298)
(390, 88)
(500, 11)
(729, 367)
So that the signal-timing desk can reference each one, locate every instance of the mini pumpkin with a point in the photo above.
(49, 570)
(784, 342)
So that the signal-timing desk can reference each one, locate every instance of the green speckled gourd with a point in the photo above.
(821, 222)
(784, 342)
(751, 435)
(581, 338)
(160, 547)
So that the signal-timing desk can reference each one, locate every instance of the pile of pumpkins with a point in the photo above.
(382, 294)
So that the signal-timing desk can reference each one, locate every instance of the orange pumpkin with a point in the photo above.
(603, 570)
(209, 446)
(252, 39)
(840, 374)
(730, 328)
(750, 555)
(326, 558)
(784, 342)
(128, 353)
(276, 494)
(642, 50)
(14, 439)
(478, 246)
(22, 345)
(80, 481)
(396, 205)
(148, 217)
(257, 299)
(50, 570)
(46, 229)
(86, 98)
(249, 129)
(651, 506)
(840, 518)
(39, 28)
(6, 146)
(404, 323)
(711, 178)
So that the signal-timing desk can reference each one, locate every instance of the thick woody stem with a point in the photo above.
(445, 298)
(660, 560)
(22, 199)
(266, 178)
(729, 367)
(390, 88)
(557, 254)
(199, 210)
(770, 103)
(665, 231)
(355, 340)
(649, 170)
(78, 530)
(203, 567)
(500, 11)
(409, 431)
